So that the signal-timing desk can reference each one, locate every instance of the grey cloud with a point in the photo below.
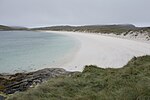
(73, 12)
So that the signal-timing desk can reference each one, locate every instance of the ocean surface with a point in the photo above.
(22, 51)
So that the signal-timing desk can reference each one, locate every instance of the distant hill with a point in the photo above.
(117, 29)
(7, 28)
(127, 30)
(2, 27)
(120, 28)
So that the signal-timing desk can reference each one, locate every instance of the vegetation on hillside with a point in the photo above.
(132, 82)
(117, 29)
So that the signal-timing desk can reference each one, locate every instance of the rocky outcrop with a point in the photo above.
(10, 84)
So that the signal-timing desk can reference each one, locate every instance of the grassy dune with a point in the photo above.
(132, 82)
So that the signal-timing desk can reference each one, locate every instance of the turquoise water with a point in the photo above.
(27, 51)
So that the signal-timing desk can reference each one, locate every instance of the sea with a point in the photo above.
(25, 51)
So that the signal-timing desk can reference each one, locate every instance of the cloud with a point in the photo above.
(74, 12)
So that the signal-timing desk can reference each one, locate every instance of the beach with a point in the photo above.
(103, 51)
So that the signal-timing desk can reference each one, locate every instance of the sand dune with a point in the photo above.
(103, 51)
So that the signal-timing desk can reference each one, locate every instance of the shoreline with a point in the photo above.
(103, 51)
(96, 49)
(32, 54)
(133, 38)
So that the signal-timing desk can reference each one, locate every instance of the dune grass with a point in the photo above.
(116, 29)
(132, 82)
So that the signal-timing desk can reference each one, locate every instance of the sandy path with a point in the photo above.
(103, 51)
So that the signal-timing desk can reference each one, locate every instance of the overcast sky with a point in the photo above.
(74, 12)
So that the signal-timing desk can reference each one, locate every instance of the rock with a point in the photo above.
(10, 84)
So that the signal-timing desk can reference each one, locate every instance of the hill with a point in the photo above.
(128, 31)
(7, 28)
(91, 28)
(125, 30)
(120, 28)
(2, 27)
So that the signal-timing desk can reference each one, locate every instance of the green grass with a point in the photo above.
(132, 82)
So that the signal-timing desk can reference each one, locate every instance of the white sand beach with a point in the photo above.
(103, 51)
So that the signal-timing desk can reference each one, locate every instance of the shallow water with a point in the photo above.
(28, 51)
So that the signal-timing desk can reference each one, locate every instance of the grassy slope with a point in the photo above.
(127, 83)
(91, 28)
(116, 29)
